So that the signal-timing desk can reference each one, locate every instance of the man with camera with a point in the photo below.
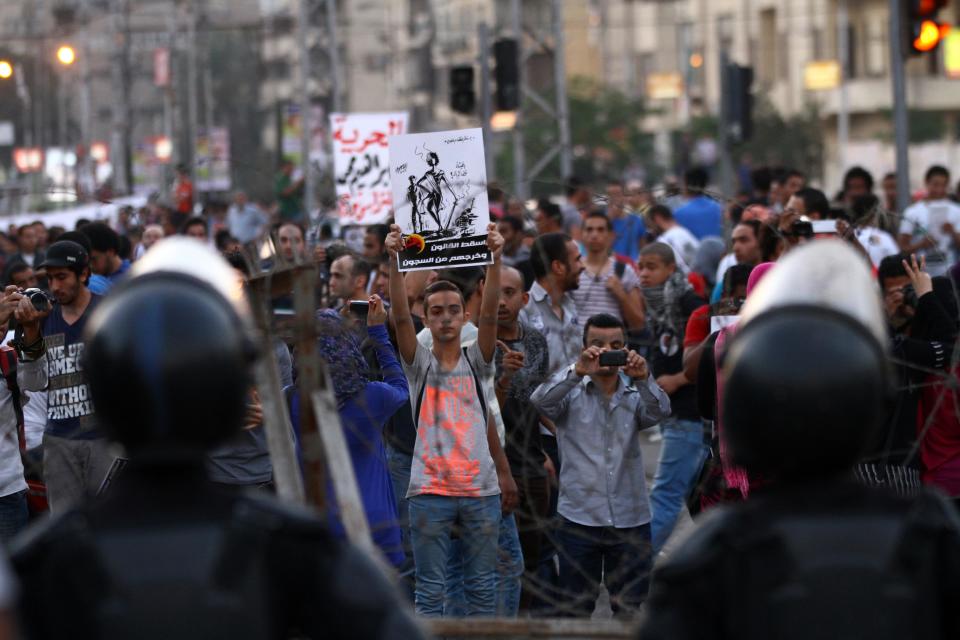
(599, 405)
(76, 457)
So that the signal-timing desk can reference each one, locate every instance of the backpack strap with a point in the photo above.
(8, 367)
(423, 386)
(476, 383)
(619, 268)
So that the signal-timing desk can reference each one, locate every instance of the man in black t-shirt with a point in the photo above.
(669, 302)
(522, 363)
(76, 456)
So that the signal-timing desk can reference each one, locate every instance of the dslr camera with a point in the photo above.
(39, 298)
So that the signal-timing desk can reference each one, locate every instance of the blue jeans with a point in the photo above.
(621, 558)
(682, 455)
(432, 519)
(509, 572)
(399, 464)
(13, 515)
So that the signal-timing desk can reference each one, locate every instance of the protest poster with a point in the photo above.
(361, 160)
(440, 193)
(212, 159)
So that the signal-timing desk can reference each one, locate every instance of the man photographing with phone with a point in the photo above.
(599, 405)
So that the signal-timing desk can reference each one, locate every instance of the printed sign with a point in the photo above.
(212, 157)
(361, 159)
(440, 193)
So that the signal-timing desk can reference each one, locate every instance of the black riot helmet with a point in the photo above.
(168, 355)
(807, 378)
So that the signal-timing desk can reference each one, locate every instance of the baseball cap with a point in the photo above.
(65, 253)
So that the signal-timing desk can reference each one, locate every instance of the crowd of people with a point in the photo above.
(495, 416)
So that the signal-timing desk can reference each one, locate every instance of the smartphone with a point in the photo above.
(823, 226)
(613, 358)
(359, 308)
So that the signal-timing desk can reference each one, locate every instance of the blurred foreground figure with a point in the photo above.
(165, 553)
(813, 553)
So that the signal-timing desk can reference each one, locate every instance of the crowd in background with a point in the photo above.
(495, 416)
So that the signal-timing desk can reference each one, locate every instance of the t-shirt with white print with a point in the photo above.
(926, 218)
(451, 456)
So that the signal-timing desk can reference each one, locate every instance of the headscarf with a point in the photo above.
(736, 477)
(757, 275)
(708, 257)
(340, 351)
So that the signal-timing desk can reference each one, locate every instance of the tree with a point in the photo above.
(604, 130)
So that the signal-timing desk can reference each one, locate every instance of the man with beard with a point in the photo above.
(76, 456)
(605, 517)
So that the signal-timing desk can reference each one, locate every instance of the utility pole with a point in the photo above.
(486, 100)
(560, 79)
(558, 111)
(901, 124)
(723, 135)
(303, 23)
(519, 157)
(121, 101)
(843, 114)
(333, 50)
(192, 110)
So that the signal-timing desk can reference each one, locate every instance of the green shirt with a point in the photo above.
(291, 206)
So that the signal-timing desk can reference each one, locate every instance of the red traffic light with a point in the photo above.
(931, 33)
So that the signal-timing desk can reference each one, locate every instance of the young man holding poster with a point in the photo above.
(460, 476)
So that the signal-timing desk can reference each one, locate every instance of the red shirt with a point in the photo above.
(183, 195)
(698, 327)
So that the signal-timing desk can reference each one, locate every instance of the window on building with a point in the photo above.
(877, 46)
(853, 67)
(816, 36)
(767, 47)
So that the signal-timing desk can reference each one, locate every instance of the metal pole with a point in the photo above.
(192, 111)
(305, 111)
(560, 79)
(169, 111)
(901, 125)
(88, 167)
(723, 138)
(843, 114)
(333, 50)
(486, 100)
(519, 159)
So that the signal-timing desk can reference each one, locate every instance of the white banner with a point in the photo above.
(440, 189)
(361, 160)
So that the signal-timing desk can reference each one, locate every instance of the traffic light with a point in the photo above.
(463, 98)
(6, 70)
(506, 75)
(738, 102)
(922, 31)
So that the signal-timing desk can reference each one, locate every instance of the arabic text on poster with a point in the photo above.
(440, 192)
(362, 163)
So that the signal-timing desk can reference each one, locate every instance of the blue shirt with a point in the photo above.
(101, 285)
(363, 417)
(629, 231)
(701, 216)
(70, 412)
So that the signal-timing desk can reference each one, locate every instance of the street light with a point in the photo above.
(66, 55)
(6, 69)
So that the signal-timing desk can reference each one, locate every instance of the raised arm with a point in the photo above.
(406, 333)
(487, 322)
(553, 397)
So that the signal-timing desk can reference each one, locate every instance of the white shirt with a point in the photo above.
(878, 243)
(468, 336)
(684, 246)
(926, 218)
(726, 262)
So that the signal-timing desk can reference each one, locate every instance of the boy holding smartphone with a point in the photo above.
(605, 515)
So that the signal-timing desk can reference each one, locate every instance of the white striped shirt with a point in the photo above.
(593, 297)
